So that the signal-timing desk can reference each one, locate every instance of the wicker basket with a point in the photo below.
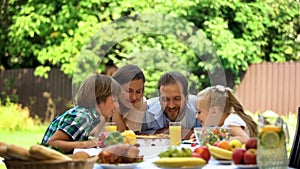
(53, 164)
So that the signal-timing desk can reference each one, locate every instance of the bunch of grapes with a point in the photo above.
(176, 152)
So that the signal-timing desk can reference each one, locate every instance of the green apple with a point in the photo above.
(234, 144)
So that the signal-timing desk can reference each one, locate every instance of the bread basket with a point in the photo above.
(51, 164)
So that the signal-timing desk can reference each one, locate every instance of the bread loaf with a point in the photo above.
(41, 152)
(81, 155)
(18, 152)
(3, 150)
(3, 143)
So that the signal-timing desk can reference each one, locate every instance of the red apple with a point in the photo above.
(203, 152)
(238, 156)
(251, 143)
(250, 156)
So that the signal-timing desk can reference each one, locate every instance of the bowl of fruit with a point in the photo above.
(211, 135)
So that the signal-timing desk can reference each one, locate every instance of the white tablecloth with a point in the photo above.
(150, 155)
(148, 164)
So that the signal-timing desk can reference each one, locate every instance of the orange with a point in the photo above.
(224, 145)
(270, 128)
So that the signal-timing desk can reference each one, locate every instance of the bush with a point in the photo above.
(14, 117)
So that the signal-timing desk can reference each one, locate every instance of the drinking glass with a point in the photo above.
(271, 150)
(110, 127)
(175, 133)
(210, 135)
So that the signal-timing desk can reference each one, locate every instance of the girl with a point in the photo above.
(217, 106)
(94, 100)
(132, 101)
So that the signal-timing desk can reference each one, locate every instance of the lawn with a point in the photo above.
(22, 138)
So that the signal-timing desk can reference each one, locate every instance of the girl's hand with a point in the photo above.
(192, 136)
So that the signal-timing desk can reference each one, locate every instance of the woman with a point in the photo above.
(94, 100)
(132, 101)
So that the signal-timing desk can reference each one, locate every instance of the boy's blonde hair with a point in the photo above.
(224, 98)
(95, 89)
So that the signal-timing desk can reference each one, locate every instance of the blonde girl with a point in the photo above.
(217, 106)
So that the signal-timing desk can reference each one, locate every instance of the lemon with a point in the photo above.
(270, 139)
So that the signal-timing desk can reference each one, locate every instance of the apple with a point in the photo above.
(250, 156)
(202, 152)
(251, 143)
(238, 156)
(234, 144)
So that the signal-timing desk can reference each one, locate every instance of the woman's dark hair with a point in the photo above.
(128, 73)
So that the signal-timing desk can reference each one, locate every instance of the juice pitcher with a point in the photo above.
(272, 138)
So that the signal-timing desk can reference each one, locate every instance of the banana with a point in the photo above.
(220, 153)
(179, 162)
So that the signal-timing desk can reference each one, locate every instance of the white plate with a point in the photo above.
(225, 162)
(244, 166)
(90, 151)
(151, 151)
(119, 166)
(184, 167)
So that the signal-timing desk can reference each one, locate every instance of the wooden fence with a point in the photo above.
(265, 86)
(271, 86)
(43, 97)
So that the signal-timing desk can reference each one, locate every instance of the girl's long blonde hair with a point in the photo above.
(216, 95)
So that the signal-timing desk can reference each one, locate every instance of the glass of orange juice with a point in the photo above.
(110, 127)
(175, 133)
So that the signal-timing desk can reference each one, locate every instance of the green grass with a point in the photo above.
(22, 138)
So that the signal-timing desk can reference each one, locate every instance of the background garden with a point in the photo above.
(52, 34)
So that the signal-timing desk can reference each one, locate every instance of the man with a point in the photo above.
(173, 104)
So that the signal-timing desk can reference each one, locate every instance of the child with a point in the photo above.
(95, 98)
(217, 106)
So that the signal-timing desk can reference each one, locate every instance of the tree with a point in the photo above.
(47, 34)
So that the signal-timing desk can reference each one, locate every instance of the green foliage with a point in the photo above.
(21, 119)
(8, 93)
(83, 34)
